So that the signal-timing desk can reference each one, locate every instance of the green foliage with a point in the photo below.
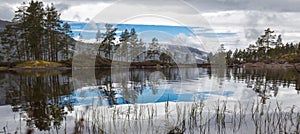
(108, 41)
(128, 48)
(267, 49)
(166, 58)
(291, 58)
(37, 34)
(41, 91)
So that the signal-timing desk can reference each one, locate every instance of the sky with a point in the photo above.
(234, 23)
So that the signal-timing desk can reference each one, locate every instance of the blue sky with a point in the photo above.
(88, 31)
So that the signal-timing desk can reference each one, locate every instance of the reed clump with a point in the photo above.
(197, 117)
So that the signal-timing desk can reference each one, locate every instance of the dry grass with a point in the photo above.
(191, 118)
(3, 68)
(38, 64)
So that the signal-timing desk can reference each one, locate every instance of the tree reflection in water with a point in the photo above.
(39, 95)
(132, 83)
(266, 82)
(46, 97)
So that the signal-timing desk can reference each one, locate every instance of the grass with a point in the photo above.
(38, 63)
(192, 118)
(3, 68)
(198, 117)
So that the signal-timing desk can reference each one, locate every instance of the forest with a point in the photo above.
(36, 33)
(268, 48)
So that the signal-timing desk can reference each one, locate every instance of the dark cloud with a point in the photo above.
(202, 5)
(259, 5)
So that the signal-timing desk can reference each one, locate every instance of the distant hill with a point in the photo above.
(2, 27)
(198, 55)
(3, 23)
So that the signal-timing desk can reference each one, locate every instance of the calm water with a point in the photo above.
(44, 98)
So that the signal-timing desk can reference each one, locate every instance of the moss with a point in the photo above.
(3, 68)
(291, 58)
(38, 63)
(67, 63)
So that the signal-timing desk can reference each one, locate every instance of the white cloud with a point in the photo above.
(249, 25)
(246, 18)
(83, 12)
(7, 12)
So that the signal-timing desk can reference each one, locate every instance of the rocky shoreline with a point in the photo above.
(261, 65)
(257, 65)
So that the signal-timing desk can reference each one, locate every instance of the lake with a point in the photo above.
(47, 100)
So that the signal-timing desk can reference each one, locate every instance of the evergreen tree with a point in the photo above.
(133, 38)
(19, 28)
(108, 41)
(228, 57)
(36, 34)
(235, 56)
(124, 37)
(52, 25)
(134, 47)
(123, 46)
(34, 22)
(153, 48)
(268, 49)
(9, 43)
(67, 45)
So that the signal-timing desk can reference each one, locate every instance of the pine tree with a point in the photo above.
(235, 56)
(134, 47)
(124, 45)
(34, 22)
(66, 43)
(36, 34)
(19, 27)
(228, 57)
(153, 48)
(9, 42)
(108, 42)
(52, 25)
(124, 37)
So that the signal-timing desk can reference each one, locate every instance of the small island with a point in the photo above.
(268, 52)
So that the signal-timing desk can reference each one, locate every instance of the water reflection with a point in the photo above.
(266, 82)
(45, 98)
(125, 87)
(38, 96)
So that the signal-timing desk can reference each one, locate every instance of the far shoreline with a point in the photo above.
(13, 66)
